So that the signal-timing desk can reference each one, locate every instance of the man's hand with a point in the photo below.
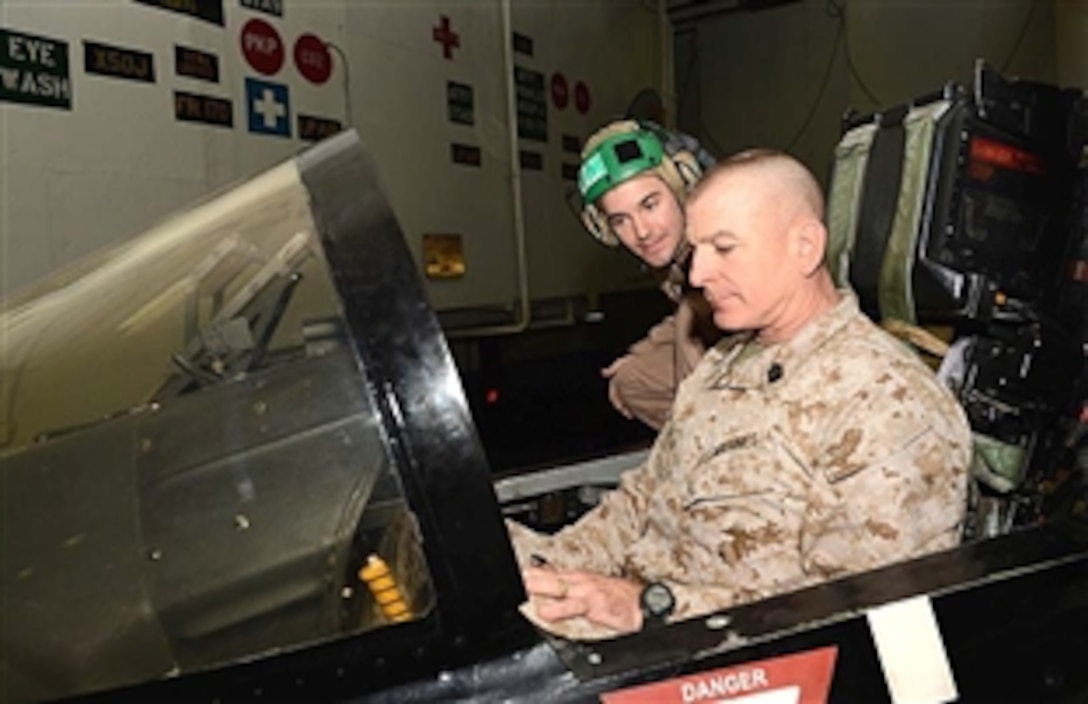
(606, 601)
(609, 373)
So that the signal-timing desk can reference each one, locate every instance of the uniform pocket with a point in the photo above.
(747, 466)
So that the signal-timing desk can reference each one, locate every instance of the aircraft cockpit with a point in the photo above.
(238, 465)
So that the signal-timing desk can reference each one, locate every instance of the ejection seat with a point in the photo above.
(952, 218)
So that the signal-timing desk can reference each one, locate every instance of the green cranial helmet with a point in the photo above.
(616, 159)
(625, 149)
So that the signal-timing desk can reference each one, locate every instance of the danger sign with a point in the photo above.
(262, 47)
(804, 678)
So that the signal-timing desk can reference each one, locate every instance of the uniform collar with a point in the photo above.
(741, 367)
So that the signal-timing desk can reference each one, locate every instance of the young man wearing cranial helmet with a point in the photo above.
(634, 180)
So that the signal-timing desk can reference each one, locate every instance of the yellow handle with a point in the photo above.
(384, 587)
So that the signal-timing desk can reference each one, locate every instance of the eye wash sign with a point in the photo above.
(34, 70)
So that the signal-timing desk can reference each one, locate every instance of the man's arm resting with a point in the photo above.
(908, 504)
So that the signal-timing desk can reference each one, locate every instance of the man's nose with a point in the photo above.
(642, 229)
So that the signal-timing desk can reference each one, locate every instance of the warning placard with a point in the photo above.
(118, 62)
(532, 104)
(271, 7)
(207, 10)
(459, 103)
(804, 678)
(195, 63)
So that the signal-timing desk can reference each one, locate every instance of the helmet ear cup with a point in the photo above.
(685, 160)
(595, 223)
(687, 168)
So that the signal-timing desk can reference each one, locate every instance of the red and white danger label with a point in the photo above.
(804, 678)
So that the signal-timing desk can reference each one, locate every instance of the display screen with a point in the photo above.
(1005, 156)
(1002, 212)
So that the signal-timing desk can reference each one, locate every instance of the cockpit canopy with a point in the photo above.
(229, 437)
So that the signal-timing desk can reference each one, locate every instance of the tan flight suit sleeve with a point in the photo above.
(645, 382)
(647, 379)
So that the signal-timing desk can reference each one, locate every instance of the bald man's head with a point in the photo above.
(755, 223)
(766, 173)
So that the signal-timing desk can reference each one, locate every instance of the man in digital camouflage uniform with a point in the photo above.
(634, 180)
(810, 447)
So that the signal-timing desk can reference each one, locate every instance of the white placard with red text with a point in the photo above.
(803, 678)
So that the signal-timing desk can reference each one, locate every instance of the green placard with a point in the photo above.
(34, 70)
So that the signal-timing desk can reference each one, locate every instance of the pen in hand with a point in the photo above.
(540, 562)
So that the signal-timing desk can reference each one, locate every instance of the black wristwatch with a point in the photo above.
(657, 603)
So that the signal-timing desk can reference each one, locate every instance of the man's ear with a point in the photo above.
(809, 244)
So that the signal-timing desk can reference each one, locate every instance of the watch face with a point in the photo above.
(657, 600)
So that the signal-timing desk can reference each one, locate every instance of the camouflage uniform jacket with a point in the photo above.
(832, 453)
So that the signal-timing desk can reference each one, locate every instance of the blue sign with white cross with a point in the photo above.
(268, 107)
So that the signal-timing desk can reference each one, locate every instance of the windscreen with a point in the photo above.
(196, 469)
